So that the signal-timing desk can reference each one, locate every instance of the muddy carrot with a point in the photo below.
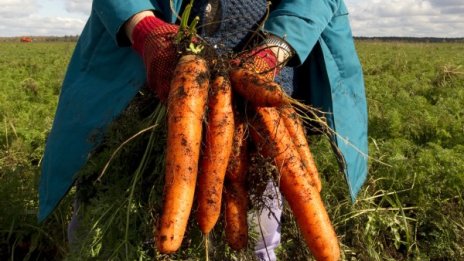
(296, 130)
(258, 89)
(236, 207)
(236, 195)
(238, 163)
(186, 108)
(270, 134)
(215, 156)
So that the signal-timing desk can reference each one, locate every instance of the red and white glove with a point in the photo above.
(261, 60)
(268, 58)
(153, 39)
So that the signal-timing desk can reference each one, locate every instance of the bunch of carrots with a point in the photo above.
(207, 160)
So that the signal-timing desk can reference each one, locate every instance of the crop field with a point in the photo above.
(410, 208)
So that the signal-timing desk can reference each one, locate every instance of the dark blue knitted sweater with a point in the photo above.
(229, 25)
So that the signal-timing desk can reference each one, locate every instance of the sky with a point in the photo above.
(405, 18)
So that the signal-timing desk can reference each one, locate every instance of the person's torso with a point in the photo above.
(229, 24)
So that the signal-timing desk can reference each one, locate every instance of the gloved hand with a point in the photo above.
(153, 39)
(268, 58)
(261, 60)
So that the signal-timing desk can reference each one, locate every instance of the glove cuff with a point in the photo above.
(284, 50)
(142, 30)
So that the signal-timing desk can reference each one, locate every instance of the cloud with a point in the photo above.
(23, 17)
(41, 26)
(453, 10)
(402, 8)
(11, 9)
(445, 3)
(419, 18)
(78, 6)
(435, 18)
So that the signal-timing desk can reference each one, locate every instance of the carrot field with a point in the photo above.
(410, 208)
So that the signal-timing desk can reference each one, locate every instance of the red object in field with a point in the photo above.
(26, 40)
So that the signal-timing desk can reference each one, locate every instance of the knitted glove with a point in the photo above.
(153, 39)
(261, 60)
(268, 58)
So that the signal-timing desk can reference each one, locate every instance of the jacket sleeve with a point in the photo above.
(114, 13)
(301, 22)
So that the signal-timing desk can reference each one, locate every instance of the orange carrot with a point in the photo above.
(236, 207)
(296, 130)
(271, 135)
(216, 153)
(186, 108)
(258, 89)
(238, 163)
(236, 195)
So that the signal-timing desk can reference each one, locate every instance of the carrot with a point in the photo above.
(236, 195)
(258, 89)
(186, 108)
(238, 163)
(271, 135)
(296, 130)
(236, 207)
(216, 153)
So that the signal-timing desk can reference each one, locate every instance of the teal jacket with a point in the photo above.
(105, 74)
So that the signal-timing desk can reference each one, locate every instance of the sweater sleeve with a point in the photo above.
(301, 22)
(114, 13)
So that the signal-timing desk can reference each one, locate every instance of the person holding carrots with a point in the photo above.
(304, 45)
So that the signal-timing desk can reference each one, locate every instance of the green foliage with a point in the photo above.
(30, 76)
(416, 131)
(411, 207)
